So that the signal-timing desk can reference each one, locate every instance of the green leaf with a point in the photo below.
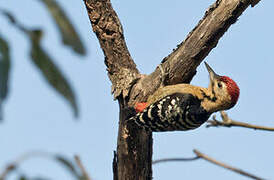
(4, 71)
(44, 63)
(50, 71)
(67, 164)
(69, 34)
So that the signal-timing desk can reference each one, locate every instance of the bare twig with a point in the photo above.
(236, 170)
(227, 122)
(174, 159)
(200, 155)
(11, 167)
(7, 170)
(82, 168)
(14, 165)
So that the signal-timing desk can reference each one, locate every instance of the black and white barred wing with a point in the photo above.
(173, 112)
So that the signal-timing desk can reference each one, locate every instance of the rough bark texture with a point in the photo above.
(106, 25)
(181, 64)
(134, 146)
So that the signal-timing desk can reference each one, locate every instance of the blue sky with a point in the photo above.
(37, 118)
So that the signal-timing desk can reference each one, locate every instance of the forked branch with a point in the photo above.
(134, 147)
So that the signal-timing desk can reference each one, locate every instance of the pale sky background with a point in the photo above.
(37, 118)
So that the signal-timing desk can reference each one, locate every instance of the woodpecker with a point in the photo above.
(184, 107)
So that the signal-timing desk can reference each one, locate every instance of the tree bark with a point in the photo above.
(134, 146)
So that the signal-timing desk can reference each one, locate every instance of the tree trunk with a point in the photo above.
(134, 150)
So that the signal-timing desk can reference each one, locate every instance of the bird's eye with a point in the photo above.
(220, 85)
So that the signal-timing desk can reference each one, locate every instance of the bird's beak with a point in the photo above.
(213, 76)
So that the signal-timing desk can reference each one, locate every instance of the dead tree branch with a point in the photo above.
(228, 122)
(200, 155)
(181, 64)
(255, 2)
(236, 170)
(175, 159)
(134, 147)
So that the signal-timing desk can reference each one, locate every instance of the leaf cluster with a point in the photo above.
(40, 58)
